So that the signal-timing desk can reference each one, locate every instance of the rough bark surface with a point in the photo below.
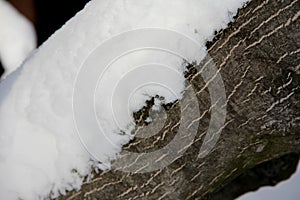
(258, 56)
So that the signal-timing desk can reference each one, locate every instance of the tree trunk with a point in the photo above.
(258, 57)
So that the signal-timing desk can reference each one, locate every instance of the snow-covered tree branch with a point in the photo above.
(127, 66)
(258, 57)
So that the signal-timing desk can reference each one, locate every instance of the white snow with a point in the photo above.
(288, 189)
(39, 146)
(17, 37)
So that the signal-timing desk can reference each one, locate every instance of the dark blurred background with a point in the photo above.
(47, 16)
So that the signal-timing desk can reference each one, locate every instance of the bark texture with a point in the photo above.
(258, 56)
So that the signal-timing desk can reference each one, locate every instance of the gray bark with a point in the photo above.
(258, 56)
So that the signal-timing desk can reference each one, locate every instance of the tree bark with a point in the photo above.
(258, 57)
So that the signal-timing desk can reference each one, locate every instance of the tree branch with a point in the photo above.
(258, 56)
